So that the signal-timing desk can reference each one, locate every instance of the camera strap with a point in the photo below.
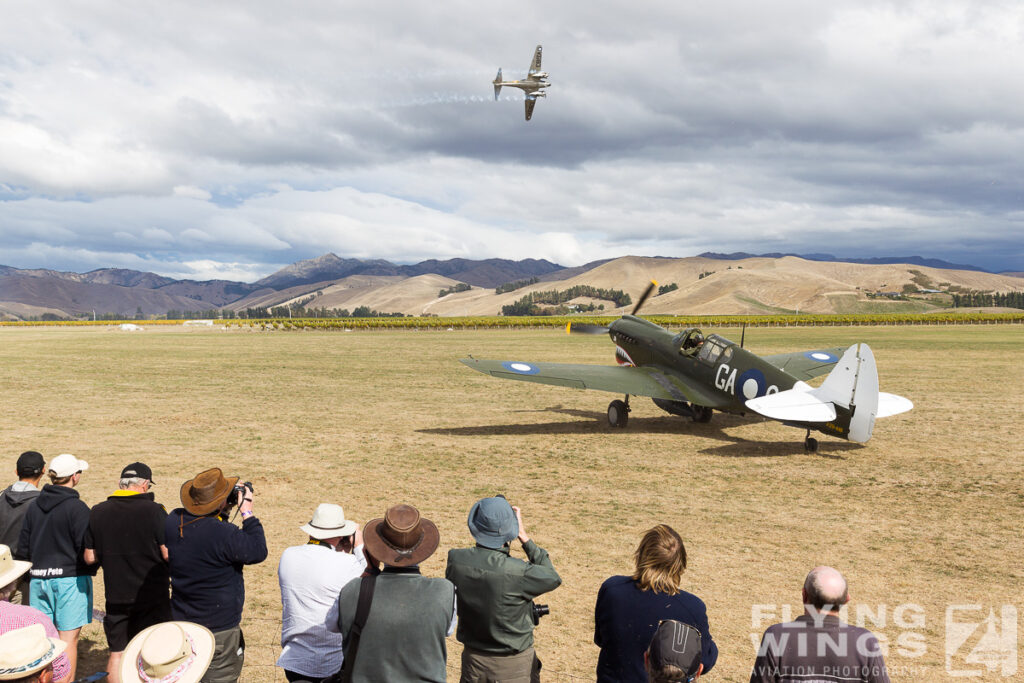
(366, 586)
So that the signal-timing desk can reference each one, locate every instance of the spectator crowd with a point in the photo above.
(355, 606)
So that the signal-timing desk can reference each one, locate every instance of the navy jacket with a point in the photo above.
(52, 537)
(206, 559)
(625, 620)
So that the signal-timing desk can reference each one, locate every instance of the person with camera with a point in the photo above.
(495, 594)
(311, 577)
(126, 538)
(206, 554)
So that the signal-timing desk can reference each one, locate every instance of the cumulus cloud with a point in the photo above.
(160, 135)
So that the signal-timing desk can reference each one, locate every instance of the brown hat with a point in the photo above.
(401, 538)
(204, 493)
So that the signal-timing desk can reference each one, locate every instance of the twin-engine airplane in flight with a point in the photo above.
(536, 81)
(692, 375)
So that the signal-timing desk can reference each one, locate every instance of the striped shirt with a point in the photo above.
(311, 578)
(19, 616)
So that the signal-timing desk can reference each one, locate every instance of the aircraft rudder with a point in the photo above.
(853, 384)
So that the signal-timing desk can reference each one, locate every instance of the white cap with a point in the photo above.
(65, 464)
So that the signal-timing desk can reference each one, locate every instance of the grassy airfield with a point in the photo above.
(928, 514)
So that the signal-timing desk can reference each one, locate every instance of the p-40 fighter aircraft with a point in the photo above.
(532, 86)
(692, 375)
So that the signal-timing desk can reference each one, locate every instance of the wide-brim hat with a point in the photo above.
(204, 493)
(401, 537)
(492, 521)
(11, 569)
(25, 651)
(329, 522)
(175, 650)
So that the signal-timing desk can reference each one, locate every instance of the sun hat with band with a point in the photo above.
(492, 521)
(402, 537)
(205, 492)
(11, 569)
(172, 652)
(329, 522)
(25, 651)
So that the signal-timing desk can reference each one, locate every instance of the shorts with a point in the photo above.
(124, 622)
(67, 600)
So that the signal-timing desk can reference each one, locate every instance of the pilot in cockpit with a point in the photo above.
(692, 343)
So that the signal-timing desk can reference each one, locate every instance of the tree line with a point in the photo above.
(976, 299)
(529, 304)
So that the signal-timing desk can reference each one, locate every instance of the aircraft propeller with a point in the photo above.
(645, 296)
(584, 328)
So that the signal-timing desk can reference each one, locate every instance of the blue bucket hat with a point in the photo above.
(493, 522)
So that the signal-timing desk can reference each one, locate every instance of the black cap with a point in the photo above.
(138, 469)
(675, 644)
(30, 463)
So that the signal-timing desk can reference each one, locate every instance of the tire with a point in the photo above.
(811, 445)
(618, 414)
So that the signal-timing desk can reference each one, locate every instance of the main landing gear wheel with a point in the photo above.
(701, 413)
(810, 443)
(618, 413)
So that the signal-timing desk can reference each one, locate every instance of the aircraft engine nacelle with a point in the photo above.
(540, 74)
(539, 93)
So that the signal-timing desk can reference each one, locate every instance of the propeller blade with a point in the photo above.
(584, 328)
(646, 295)
(743, 335)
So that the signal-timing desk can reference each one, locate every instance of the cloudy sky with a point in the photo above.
(227, 139)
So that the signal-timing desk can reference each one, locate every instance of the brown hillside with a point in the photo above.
(749, 286)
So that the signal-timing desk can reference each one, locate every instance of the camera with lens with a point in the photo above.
(539, 611)
(233, 497)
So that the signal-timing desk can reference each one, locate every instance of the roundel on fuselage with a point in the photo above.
(751, 384)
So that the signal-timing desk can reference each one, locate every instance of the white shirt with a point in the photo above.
(311, 578)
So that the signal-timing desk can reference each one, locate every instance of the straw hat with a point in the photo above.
(329, 522)
(25, 651)
(204, 493)
(10, 568)
(177, 651)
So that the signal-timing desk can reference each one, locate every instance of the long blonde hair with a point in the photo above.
(660, 560)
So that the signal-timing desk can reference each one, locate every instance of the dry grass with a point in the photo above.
(928, 513)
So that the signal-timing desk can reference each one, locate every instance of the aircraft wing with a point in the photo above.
(618, 379)
(535, 64)
(805, 365)
(530, 103)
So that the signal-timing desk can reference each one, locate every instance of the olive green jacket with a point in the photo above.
(495, 593)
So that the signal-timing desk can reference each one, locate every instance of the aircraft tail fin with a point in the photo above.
(853, 384)
(497, 85)
(848, 398)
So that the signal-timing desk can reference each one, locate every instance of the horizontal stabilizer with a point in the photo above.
(891, 404)
(799, 404)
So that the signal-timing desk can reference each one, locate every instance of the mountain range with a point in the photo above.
(712, 283)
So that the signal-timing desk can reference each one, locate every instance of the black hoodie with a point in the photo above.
(12, 512)
(53, 536)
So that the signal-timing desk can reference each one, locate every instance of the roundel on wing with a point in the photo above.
(521, 368)
(822, 356)
(750, 384)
